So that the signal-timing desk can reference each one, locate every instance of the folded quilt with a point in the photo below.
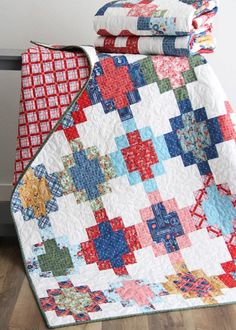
(154, 17)
(168, 45)
(129, 204)
(177, 27)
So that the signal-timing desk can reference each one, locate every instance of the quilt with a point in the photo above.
(169, 46)
(166, 27)
(129, 204)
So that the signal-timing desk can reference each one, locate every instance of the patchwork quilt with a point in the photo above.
(168, 27)
(129, 204)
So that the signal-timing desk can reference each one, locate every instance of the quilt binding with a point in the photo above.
(43, 313)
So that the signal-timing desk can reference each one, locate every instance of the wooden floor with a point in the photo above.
(18, 309)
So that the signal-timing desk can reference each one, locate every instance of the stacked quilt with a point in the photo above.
(169, 27)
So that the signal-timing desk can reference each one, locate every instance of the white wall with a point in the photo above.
(70, 22)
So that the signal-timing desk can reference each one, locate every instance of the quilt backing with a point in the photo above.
(50, 79)
(129, 206)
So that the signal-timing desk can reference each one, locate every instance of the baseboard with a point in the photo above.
(6, 223)
(5, 191)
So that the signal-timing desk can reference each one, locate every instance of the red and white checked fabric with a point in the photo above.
(50, 81)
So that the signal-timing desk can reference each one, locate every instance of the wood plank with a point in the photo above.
(89, 326)
(215, 318)
(11, 278)
(26, 314)
(130, 323)
(169, 321)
